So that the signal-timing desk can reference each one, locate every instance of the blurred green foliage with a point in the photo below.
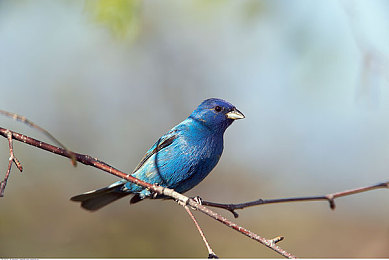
(121, 17)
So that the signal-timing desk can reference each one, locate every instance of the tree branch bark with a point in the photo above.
(329, 197)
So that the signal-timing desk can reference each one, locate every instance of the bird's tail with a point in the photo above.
(96, 199)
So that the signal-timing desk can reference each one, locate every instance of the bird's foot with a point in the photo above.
(198, 200)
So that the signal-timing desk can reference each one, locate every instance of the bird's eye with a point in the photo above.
(218, 109)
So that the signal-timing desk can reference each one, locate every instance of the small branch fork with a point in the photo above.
(12, 159)
(183, 200)
(329, 197)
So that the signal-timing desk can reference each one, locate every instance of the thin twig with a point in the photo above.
(12, 159)
(44, 131)
(211, 254)
(184, 200)
(329, 197)
(270, 243)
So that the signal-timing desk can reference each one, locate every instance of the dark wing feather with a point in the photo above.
(162, 143)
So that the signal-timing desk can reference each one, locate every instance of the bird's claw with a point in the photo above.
(198, 200)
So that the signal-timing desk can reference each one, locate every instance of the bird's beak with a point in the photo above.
(235, 114)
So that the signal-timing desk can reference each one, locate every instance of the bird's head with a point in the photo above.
(216, 114)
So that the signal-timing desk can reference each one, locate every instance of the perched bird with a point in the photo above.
(179, 160)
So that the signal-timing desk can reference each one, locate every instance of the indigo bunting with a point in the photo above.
(179, 160)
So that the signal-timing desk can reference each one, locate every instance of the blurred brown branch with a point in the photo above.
(329, 197)
(374, 63)
(183, 200)
(41, 129)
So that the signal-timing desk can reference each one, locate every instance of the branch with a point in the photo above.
(329, 197)
(183, 200)
(211, 254)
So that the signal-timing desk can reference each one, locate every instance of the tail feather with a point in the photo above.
(96, 199)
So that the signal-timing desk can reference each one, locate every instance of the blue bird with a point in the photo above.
(179, 160)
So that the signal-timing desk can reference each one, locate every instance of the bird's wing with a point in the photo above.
(162, 143)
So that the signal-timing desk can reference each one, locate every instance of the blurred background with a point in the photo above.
(108, 78)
